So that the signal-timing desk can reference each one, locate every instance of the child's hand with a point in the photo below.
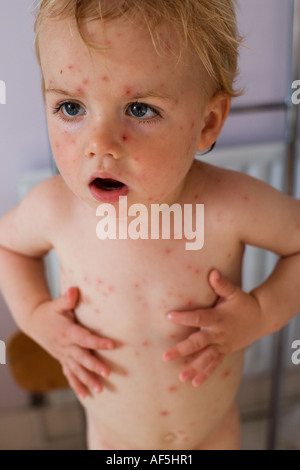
(233, 323)
(71, 344)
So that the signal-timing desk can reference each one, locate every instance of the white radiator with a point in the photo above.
(263, 161)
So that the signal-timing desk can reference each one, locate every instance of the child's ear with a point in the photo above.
(215, 114)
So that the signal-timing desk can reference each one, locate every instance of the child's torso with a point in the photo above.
(127, 287)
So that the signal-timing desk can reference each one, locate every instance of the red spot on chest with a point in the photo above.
(164, 413)
(172, 388)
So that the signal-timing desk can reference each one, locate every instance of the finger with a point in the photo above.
(221, 285)
(74, 383)
(84, 338)
(204, 375)
(88, 379)
(67, 301)
(194, 343)
(90, 362)
(196, 318)
(205, 359)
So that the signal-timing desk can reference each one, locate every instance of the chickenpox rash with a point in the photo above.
(70, 66)
(225, 374)
(172, 389)
(85, 81)
(105, 78)
(164, 413)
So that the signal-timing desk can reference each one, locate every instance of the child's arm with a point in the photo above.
(269, 220)
(51, 323)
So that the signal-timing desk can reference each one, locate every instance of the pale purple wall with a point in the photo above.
(23, 138)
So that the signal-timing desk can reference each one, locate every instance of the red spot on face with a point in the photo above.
(136, 159)
(111, 288)
(145, 343)
(85, 81)
(105, 78)
(124, 137)
(128, 92)
(246, 198)
(70, 67)
(172, 388)
(172, 336)
(97, 310)
(79, 90)
(136, 285)
(164, 413)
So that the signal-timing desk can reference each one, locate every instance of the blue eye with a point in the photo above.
(71, 109)
(142, 111)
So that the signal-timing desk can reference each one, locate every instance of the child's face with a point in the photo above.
(125, 113)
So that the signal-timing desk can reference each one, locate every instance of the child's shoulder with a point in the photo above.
(51, 193)
(227, 184)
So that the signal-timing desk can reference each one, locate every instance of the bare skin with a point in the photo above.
(111, 319)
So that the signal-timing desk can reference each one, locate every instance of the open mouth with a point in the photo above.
(107, 184)
(107, 189)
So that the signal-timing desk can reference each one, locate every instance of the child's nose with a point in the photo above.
(104, 140)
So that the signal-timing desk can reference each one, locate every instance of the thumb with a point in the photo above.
(68, 300)
(221, 285)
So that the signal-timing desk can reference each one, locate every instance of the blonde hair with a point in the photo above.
(208, 26)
